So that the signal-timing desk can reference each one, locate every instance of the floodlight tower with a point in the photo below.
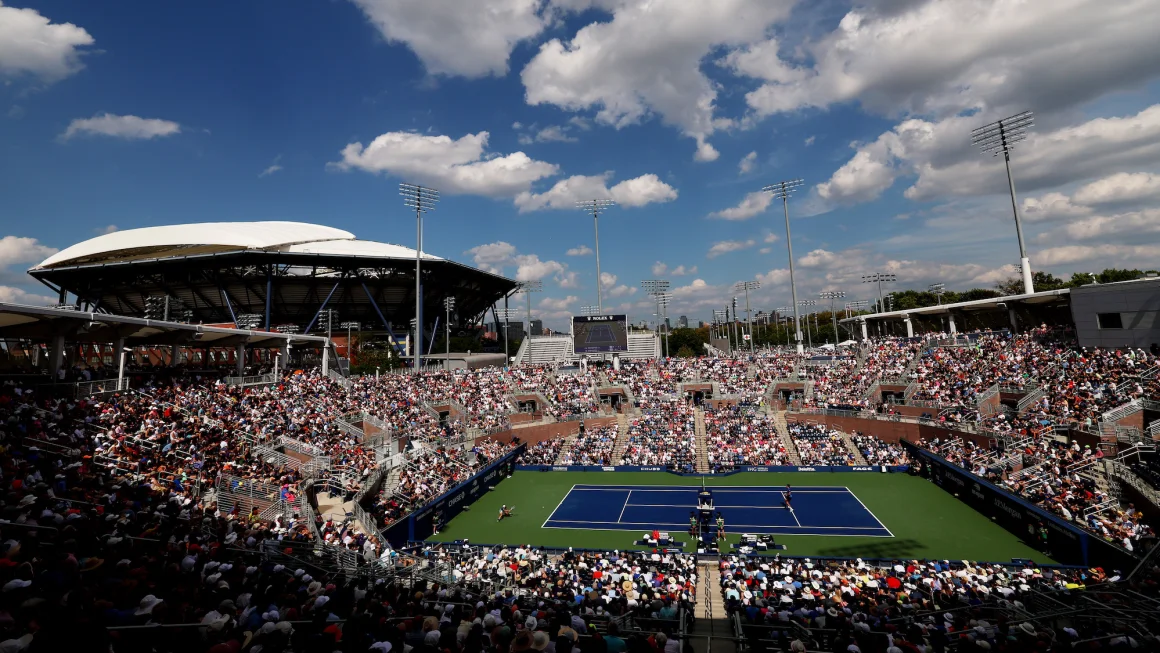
(505, 314)
(878, 278)
(663, 316)
(784, 310)
(596, 207)
(782, 190)
(589, 310)
(448, 304)
(527, 288)
(423, 200)
(854, 307)
(655, 288)
(938, 289)
(832, 295)
(998, 138)
(747, 286)
(349, 326)
(808, 302)
(719, 317)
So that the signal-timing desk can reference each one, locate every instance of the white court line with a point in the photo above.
(545, 524)
(669, 505)
(625, 507)
(651, 488)
(870, 511)
(583, 525)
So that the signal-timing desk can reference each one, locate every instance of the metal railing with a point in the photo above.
(103, 386)
(984, 404)
(1031, 398)
(1125, 474)
(244, 381)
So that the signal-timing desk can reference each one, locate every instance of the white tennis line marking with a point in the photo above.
(871, 512)
(677, 526)
(651, 525)
(716, 490)
(545, 524)
(625, 506)
(669, 505)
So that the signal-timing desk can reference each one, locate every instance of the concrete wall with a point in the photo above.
(1137, 302)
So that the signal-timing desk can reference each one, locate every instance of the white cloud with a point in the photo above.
(642, 190)
(273, 167)
(1121, 188)
(753, 204)
(765, 250)
(17, 249)
(558, 303)
(817, 258)
(747, 163)
(1051, 206)
(945, 56)
(11, 295)
(659, 268)
(1134, 225)
(681, 271)
(129, 127)
(726, 246)
(32, 45)
(945, 165)
(1100, 256)
(459, 166)
(775, 278)
(647, 59)
(608, 284)
(771, 237)
(810, 141)
(494, 257)
(579, 250)
(107, 229)
(568, 279)
(451, 37)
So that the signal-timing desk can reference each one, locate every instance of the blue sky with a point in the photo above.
(164, 113)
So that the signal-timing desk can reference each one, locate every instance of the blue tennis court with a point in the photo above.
(746, 509)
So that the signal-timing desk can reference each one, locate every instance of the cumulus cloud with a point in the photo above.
(548, 134)
(568, 279)
(727, 246)
(1121, 188)
(747, 162)
(127, 127)
(472, 39)
(460, 166)
(21, 250)
(647, 60)
(751, 205)
(494, 257)
(558, 303)
(107, 229)
(272, 168)
(12, 295)
(1097, 256)
(608, 284)
(636, 192)
(579, 250)
(33, 45)
(660, 268)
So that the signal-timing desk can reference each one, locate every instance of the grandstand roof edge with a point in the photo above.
(978, 304)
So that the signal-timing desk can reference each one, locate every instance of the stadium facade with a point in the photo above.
(265, 275)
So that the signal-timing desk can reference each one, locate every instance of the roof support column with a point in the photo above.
(240, 358)
(909, 326)
(56, 356)
(1014, 320)
(862, 323)
(174, 355)
(326, 358)
(951, 322)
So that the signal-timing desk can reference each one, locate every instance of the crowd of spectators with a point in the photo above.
(879, 452)
(895, 606)
(817, 445)
(662, 436)
(741, 435)
(592, 447)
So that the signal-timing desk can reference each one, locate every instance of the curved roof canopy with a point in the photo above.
(216, 237)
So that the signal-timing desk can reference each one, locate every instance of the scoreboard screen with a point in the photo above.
(599, 334)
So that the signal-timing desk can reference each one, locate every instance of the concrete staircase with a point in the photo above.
(783, 433)
(702, 466)
(859, 459)
(712, 632)
(566, 448)
(621, 438)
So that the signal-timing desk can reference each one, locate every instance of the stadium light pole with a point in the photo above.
(808, 302)
(655, 288)
(747, 286)
(448, 304)
(589, 310)
(782, 311)
(782, 190)
(423, 200)
(662, 318)
(527, 288)
(349, 326)
(878, 278)
(998, 138)
(505, 315)
(833, 295)
(938, 289)
(719, 317)
(595, 207)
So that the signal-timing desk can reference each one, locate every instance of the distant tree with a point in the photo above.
(976, 294)
(685, 352)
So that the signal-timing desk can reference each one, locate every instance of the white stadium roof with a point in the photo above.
(215, 237)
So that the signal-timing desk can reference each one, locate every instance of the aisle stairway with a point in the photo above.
(621, 438)
(859, 459)
(702, 441)
(566, 448)
(783, 433)
(712, 620)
